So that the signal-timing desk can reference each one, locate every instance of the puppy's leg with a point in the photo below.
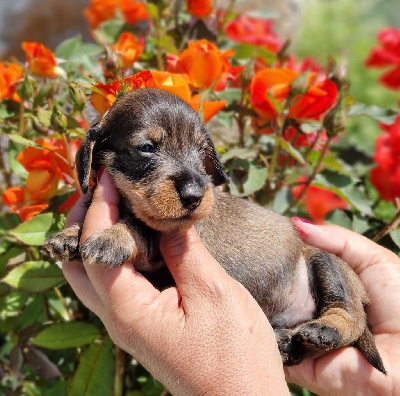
(114, 246)
(65, 244)
(339, 296)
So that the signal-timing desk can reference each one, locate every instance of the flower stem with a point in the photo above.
(21, 129)
(120, 356)
(71, 162)
(317, 169)
(275, 153)
(389, 227)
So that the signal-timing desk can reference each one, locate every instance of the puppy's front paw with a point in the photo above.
(65, 244)
(106, 249)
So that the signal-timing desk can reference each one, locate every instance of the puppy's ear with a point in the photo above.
(84, 156)
(213, 165)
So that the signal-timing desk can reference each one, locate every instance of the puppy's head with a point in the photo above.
(160, 156)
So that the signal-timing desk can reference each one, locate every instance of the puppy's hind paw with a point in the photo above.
(65, 244)
(106, 249)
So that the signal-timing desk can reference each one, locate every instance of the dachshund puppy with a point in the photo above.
(165, 167)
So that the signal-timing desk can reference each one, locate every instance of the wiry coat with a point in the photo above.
(165, 167)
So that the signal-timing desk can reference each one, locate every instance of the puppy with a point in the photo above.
(165, 167)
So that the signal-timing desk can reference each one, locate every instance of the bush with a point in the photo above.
(288, 116)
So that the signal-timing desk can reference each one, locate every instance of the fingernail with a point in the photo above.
(302, 220)
(99, 173)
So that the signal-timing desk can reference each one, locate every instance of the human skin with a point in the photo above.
(205, 336)
(345, 371)
(208, 335)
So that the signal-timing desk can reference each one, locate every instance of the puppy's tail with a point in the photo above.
(366, 345)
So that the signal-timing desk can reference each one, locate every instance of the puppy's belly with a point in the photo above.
(300, 305)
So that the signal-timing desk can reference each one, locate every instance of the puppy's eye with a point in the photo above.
(146, 148)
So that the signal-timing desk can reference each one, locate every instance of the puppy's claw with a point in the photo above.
(104, 249)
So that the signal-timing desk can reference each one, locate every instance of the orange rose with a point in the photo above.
(99, 11)
(13, 196)
(199, 8)
(19, 201)
(40, 59)
(272, 85)
(102, 10)
(9, 76)
(203, 63)
(133, 11)
(210, 109)
(45, 168)
(319, 202)
(105, 95)
(28, 211)
(171, 82)
(128, 48)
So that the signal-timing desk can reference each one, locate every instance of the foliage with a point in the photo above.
(289, 116)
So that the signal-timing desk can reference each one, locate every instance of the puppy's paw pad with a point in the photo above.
(105, 249)
(317, 335)
(63, 246)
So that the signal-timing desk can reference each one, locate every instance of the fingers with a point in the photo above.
(358, 251)
(116, 287)
(103, 211)
(378, 268)
(76, 275)
(192, 266)
(77, 213)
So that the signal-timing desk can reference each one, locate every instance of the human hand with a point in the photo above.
(207, 335)
(345, 371)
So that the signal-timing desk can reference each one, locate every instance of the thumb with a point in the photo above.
(193, 268)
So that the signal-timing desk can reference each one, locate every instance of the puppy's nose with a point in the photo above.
(191, 195)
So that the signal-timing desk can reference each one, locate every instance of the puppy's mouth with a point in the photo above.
(164, 219)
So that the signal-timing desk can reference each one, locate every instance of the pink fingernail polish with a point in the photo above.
(302, 220)
(99, 173)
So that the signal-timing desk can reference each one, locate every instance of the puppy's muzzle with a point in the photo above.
(191, 188)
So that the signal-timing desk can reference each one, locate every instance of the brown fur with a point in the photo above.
(165, 166)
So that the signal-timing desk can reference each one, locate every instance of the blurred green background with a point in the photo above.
(347, 29)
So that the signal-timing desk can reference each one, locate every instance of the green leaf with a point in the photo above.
(34, 276)
(246, 177)
(5, 112)
(21, 140)
(340, 218)
(281, 200)
(110, 30)
(331, 162)
(59, 388)
(43, 95)
(73, 48)
(15, 165)
(32, 311)
(360, 223)
(395, 235)
(243, 153)
(244, 51)
(153, 11)
(291, 150)
(95, 371)
(345, 187)
(11, 304)
(35, 230)
(80, 54)
(230, 95)
(67, 335)
(380, 114)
